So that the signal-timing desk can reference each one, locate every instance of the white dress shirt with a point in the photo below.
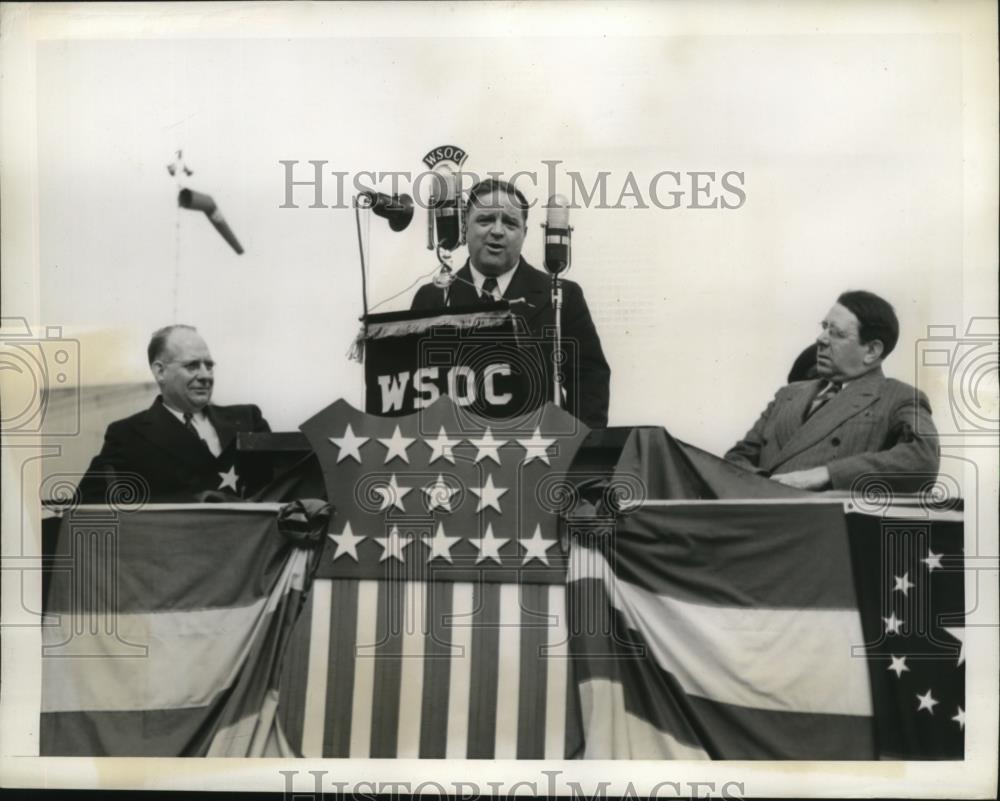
(203, 426)
(503, 281)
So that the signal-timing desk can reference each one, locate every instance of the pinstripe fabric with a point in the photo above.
(874, 425)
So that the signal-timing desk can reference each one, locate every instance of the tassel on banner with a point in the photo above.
(382, 329)
(356, 352)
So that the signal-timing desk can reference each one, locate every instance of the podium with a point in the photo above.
(436, 626)
(483, 357)
(414, 649)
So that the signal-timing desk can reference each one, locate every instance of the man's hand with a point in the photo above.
(818, 478)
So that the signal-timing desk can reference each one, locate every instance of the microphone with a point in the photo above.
(557, 235)
(445, 230)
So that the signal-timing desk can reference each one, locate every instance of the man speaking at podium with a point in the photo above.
(496, 220)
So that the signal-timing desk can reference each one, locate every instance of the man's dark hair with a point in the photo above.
(158, 342)
(876, 318)
(488, 186)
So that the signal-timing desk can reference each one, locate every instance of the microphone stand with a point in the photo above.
(446, 275)
(357, 350)
(557, 349)
(361, 254)
(397, 210)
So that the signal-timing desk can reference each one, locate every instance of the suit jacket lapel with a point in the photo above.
(790, 422)
(524, 285)
(224, 427)
(852, 399)
(165, 431)
(462, 291)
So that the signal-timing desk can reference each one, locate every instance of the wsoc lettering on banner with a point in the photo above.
(459, 383)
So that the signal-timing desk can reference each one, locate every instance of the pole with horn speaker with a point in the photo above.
(397, 210)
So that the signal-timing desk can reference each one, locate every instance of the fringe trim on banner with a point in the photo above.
(356, 353)
(468, 322)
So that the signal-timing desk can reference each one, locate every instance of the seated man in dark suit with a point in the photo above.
(496, 222)
(182, 448)
(851, 421)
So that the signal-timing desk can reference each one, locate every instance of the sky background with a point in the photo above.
(851, 146)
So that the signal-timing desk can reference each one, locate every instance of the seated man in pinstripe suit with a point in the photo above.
(850, 422)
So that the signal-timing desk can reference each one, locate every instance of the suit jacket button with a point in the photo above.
(835, 441)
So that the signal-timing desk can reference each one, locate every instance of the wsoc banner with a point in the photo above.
(164, 630)
(483, 357)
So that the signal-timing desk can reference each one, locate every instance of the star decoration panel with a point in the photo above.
(443, 495)
(911, 594)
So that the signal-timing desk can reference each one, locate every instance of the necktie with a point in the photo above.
(486, 295)
(189, 425)
(822, 398)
